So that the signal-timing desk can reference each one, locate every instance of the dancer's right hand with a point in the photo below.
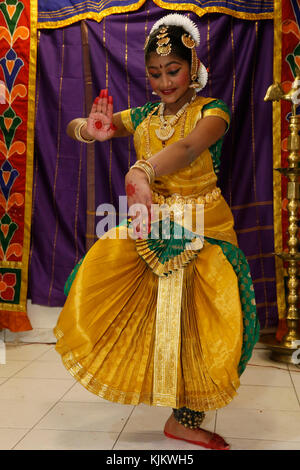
(100, 121)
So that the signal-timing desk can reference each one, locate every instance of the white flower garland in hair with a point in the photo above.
(202, 76)
(175, 19)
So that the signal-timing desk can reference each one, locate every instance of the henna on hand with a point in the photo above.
(130, 189)
(100, 121)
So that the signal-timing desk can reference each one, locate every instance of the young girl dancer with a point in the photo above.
(152, 319)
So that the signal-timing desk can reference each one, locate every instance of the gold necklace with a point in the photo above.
(147, 133)
(166, 129)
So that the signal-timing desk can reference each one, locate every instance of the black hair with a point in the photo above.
(177, 47)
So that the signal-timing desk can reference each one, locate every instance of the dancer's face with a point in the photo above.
(169, 77)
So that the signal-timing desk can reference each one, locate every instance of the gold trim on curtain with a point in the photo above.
(198, 10)
(29, 153)
(277, 195)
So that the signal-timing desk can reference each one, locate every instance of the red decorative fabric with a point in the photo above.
(17, 75)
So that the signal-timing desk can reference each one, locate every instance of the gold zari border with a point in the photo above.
(126, 120)
(203, 403)
(52, 24)
(30, 150)
(218, 113)
(167, 339)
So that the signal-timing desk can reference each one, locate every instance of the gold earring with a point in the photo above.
(194, 70)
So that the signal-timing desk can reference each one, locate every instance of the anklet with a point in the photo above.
(189, 418)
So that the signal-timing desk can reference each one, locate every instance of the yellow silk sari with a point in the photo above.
(132, 336)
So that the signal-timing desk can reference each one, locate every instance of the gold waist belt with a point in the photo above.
(207, 198)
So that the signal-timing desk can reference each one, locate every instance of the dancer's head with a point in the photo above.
(170, 55)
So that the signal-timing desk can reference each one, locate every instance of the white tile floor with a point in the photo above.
(43, 407)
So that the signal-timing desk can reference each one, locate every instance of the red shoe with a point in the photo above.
(216, 442)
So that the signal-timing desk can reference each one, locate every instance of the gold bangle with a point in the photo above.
(78, 135)
(145, 162)
(147, 168)
(147, 165)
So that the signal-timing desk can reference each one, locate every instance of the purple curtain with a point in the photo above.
(239, 55)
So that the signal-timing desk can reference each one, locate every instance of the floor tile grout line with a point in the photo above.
(44, 415)
(154, 433)
(50, 346)
(37, 378)
(267, 367)
(231, 409)
(216, 417)
(259, 439)
(226, 436)
(123, 428)
(28, 363)
(30, 360)
(260, 409)
(67, 430)
(264, 385)
(293, 370)
(295, 390)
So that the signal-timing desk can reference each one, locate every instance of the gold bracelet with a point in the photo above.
(145, 162)
(78, 135)
(147, 168)
(144, 169)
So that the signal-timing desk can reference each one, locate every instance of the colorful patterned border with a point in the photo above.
(65, 12)
(17, 74)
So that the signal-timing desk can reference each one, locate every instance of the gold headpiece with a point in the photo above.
(163, 42)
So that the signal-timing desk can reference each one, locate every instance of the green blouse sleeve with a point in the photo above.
(139, 114)
(217, 108)
(133, 117)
